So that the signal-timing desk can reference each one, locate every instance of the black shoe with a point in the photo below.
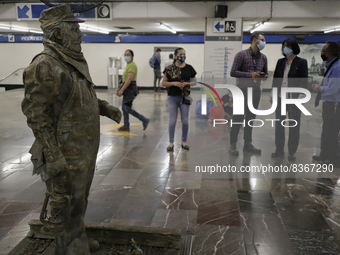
(291, 157)
(277, 154)
(185, 147)
(318, 158)
(124, 129)
(333, 163)
(170, 148)
(232, 149)
(248, 146)
(145, 124)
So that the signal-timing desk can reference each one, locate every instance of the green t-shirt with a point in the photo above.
(130, 68)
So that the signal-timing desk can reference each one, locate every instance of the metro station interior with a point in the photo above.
(137, 182)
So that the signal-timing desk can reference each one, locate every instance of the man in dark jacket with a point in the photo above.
(63, 111)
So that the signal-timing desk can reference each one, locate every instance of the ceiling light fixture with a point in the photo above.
(168, 28)
(256, 27)
(94, 29)
(36, 31)
(103, 31)
(332, 30)
(329, 31)
(21, 29)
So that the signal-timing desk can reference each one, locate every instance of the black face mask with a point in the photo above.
(323, 56)
(181, 59)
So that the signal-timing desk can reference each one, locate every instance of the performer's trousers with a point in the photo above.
(74, 242)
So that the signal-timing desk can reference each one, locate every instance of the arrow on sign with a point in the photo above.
(218, 26)
(22, 12)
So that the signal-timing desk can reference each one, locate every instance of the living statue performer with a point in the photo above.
(63, 111)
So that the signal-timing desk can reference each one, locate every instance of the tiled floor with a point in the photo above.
(138, 183)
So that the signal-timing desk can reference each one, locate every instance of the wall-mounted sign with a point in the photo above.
(27, 11)
(218, 27)
(230, 27)
(224, 26)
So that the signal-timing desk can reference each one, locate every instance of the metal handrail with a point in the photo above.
(11, 74)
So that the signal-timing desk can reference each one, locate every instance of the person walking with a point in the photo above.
(129, 91)
(291, 71)
(178, 78)
(249, 67)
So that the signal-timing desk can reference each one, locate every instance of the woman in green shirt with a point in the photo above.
(129, 92)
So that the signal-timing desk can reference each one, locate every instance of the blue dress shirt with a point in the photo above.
(330, 90)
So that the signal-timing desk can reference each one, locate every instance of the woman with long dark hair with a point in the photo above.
(178, 78)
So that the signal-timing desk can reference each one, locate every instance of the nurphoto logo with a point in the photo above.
(238, 104)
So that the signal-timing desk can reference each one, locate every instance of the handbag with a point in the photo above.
(120, 85)
(187, 100)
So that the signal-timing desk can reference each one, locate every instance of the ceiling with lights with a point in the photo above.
(188, 25)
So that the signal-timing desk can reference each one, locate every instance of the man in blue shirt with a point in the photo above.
(330, 94)
(157, 69)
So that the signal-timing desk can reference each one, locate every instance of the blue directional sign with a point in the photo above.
(27, 11)
(37, 9)
(22, 12)
(218, 27)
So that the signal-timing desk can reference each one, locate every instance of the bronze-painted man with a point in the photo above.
(63, 111)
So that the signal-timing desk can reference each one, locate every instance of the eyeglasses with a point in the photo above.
(261, 40)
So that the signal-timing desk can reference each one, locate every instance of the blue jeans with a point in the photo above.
(126, 110)
(175, 102)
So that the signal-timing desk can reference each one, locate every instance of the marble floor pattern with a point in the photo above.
(138, 183)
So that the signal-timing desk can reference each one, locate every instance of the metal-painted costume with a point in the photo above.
(63, 111)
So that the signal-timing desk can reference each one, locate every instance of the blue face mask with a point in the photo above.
(287, 51)
(181, 59)
(127, 59)
(261, 45)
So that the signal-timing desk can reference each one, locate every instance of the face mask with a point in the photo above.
(287, 51)
(261, 45)
(127, 59)
(181, 59)
(323, 56)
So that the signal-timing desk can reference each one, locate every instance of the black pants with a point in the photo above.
(294, 113)
(330, 130)
(157, 77)
(247, 116)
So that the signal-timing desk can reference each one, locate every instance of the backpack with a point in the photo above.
(198, 113)
(217, 113)
(152, 61)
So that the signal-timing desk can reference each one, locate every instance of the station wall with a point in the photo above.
(19, 55)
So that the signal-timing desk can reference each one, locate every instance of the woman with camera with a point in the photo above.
(129, 91)
(178, 78)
